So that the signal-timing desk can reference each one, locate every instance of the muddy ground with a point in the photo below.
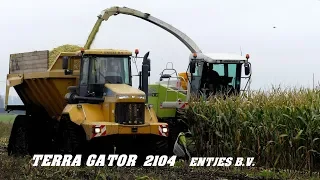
(21, 168)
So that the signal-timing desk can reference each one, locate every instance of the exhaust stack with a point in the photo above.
(145, 74)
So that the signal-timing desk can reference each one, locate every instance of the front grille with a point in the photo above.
(129, 113)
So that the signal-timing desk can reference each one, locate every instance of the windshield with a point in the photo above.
(214, 76)
(227, 70)
(105, 69)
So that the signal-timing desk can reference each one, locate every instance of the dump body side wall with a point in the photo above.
(28, 62)
(40, 88)
(47, 93)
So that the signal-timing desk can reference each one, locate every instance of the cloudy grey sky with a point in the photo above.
(287, 54)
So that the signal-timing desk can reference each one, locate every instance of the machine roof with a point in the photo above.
(218, 57)
(225, 56)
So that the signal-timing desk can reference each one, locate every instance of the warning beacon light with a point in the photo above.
(247, 56)
(136, 52)
(195, 55)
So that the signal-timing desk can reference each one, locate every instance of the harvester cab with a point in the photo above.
(211, 74)
(207, 74)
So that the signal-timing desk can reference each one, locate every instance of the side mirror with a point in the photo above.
(65, 62)
(192, 67)
(247, 69)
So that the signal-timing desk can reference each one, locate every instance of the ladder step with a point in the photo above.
(174, 104)
(177, 90)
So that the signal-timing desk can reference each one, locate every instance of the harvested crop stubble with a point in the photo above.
(64, 48)
(280, 129)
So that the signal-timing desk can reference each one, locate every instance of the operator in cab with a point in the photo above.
(212, 74)
(113, 72)
(212, 79)
(218, 84)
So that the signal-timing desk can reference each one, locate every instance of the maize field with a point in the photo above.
(281, 128)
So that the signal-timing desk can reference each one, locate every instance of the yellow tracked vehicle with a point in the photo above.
(84, 101)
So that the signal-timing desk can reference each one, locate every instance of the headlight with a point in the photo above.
(165, 130)
(97, 130)
(123, 97)
(141, 97)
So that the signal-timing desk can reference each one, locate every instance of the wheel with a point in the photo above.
(18, 141)
(154, 146)
(71, 137)
(40, 135)
(160, 147)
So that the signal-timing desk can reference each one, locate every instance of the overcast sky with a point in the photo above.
(287, 54)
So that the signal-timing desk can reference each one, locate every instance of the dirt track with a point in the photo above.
(19, 168)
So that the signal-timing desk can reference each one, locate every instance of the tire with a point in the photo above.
(160, 147)
(30, 135)
(40, 134)
(18, 141)
(71, 137)
(155, 146)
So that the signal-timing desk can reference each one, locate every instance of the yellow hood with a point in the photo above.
(124, 89)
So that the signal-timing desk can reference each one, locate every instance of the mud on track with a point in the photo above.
(3, 150)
